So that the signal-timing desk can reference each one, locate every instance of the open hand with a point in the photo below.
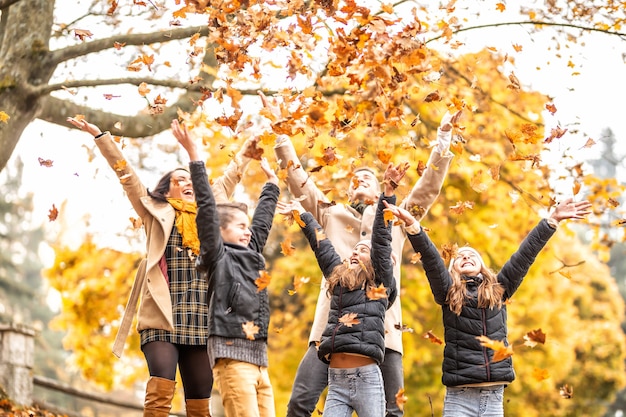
(83, 124)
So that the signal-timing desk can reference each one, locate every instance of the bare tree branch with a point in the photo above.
(57, 111)
(75, 51)
(6, 3)
(46, 89)
(564, 25)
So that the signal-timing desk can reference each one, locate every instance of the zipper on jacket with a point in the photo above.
(332, 344)
(232, 297)
(485, 355)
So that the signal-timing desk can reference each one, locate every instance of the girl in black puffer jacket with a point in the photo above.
(472, 298)
(361, 289)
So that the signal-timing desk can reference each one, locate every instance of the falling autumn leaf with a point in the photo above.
(384, 157)
(415, 258)
(82, 34)
(287, 248)
(376, 293)
(4, 118)
(403, 328)
(135, 222)
(566, 391)
(533, 337)
(250, 329)
(262, 281)
(433, 339)
(388, 216)
(53, 213)
(501, 351)
(401, 399)
(45, 162)
(298, 282)
(349, 319)
(515, 84)
(254, 152)
(590, 142)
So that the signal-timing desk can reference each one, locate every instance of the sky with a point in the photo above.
(588, 101)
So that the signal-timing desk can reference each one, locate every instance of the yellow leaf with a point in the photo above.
(401, 399)
(262, 281)
(4, 118)
(388, 216)
(287, 248)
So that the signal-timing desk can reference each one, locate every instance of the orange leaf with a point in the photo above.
(501, 351)
(376, 293)
(533, 337)
(53, 213)
(384, 157)
(388, 216)
(401, 399)
(349, 319)
(298, 282)
(433, 339)
(82, 34)
(250, 329)
(262, 281)
(143, 89)
(296, 217)
(120, 165)
(136, 222)
(287, 248)
(45, 162)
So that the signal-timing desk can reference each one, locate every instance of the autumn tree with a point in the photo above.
(356, 86)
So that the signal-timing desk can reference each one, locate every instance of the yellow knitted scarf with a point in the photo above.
(186, 223)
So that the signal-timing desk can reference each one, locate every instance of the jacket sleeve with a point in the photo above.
(224, 186)
(263, 216)
(436, 272)
(516, 268)
(299, 182)
(128, 178)
(211, 244)
(327, 257)
(428, 186)
(381, 249)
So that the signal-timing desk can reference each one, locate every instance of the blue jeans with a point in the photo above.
(355, 389)
(474, 402)
(312, 378)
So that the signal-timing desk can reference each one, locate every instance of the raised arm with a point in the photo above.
(433, 264)
(327, 257)
(207, 221)
(428, 186)
(516, 268)
(224, 186)
(264, 212)
(132, 185)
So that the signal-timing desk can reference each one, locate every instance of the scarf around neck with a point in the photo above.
(186, 223)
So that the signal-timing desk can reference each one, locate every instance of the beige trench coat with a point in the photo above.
(155, 307)
(345, 227)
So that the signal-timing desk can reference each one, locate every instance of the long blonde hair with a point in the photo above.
(351, 278)
(490, 291)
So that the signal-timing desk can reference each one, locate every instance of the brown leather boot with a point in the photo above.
(159, 394)
(198, 408)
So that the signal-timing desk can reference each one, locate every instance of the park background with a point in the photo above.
(542, 121)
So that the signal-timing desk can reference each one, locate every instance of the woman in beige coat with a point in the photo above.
(172, 318)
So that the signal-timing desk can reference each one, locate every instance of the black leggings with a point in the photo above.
(192, 361)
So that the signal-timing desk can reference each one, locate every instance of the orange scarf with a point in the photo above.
(186, 223)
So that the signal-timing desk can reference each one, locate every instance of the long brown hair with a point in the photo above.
(351, 278)
(490, 291)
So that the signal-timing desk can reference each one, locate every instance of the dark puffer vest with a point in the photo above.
(465, 360)
(367, 335)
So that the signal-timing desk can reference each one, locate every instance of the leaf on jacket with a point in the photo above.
(501, 351)
(533, 337)
(319, 235)
(401, 399)
(262, 281)
(297, 219)
(250, 329)
(433, 339)
(349, 319)
(376, 293)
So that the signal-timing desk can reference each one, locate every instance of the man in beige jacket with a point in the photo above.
(345, 225)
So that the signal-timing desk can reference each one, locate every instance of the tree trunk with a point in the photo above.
(25, 39)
